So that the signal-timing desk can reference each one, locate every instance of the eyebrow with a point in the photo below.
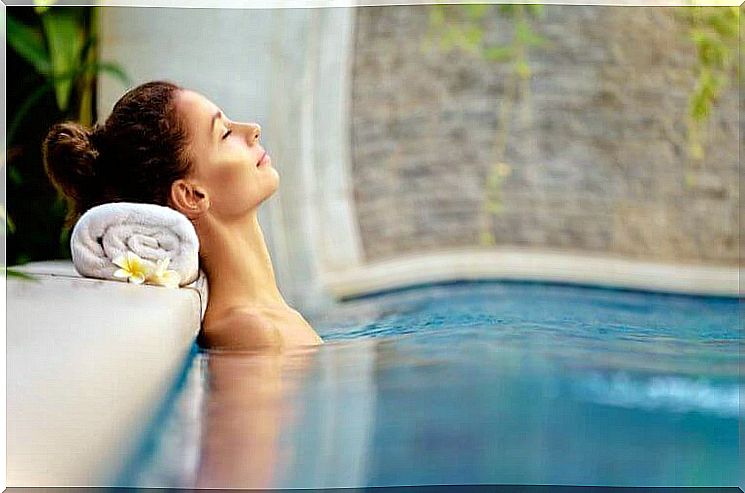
(215, 117)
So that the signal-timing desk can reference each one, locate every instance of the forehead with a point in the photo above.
(197, 109)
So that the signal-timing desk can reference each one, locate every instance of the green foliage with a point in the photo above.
(5, 219)
(29, 43)
(10, 228)
(714, 32)
(65, 34)
(463, 28)
(61, 51)
(57, 82)
(12, 273)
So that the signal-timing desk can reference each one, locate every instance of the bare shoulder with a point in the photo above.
(295, 330)
(241, 328)
(258, 326)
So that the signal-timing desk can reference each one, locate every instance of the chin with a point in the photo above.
(270, 189)
(275, 182)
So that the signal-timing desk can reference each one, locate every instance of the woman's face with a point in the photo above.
(228, 161)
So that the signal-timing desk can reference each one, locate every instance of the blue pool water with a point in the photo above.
(486, 382)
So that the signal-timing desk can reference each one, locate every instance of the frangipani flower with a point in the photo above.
(133, 268)
(164, 277)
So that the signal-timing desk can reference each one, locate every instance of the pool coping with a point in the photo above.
(89, 362)
(534, 265)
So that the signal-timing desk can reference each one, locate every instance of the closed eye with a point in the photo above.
(225, 136)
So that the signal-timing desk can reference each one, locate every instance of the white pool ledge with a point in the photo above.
(89, 363)
(534, 265)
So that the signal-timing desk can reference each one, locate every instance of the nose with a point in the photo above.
(253, 133)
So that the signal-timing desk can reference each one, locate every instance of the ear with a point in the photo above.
(189, 198)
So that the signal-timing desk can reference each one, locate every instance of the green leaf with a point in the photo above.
(114, 70)
(65, 33)
(105, 67)
(476, 11)
(522, 69)
(29, 44)
(41, 6)
(498, 53)
(17, 274)
(725, 21)
(525, 35)
(535, 10)
(474, 35)
(14, 175)
(437, 16)
(4, 217)
(699, 105)
(64, 237)
(508, 10)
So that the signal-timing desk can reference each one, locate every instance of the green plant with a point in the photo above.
(715, 33)
(10, 227)
(55, 63)
(63, 51)
(463, 27)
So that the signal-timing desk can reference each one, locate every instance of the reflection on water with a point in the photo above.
(242, 419)
(469, 383)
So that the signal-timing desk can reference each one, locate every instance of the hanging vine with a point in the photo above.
(462, 28)
(714, 32)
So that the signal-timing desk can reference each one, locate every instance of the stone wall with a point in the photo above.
(597, 150)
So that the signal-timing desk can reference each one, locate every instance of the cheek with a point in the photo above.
(234, 179)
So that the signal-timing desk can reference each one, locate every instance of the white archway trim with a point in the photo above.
(338, 239)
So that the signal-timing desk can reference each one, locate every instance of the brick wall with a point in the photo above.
(597, 150)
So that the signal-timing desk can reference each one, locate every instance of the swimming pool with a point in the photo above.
(465, 383)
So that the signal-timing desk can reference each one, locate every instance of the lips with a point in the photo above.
(261, 159)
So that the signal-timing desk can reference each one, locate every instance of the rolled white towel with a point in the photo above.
(150, 231)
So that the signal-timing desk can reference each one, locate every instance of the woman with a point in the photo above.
(170, 146)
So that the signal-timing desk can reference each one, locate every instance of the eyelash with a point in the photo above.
(226, 134)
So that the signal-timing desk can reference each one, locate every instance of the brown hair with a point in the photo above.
(134, 156)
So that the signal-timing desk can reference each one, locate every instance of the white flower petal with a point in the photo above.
(120, 261)
(137, 279)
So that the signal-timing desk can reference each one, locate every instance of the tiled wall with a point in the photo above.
(597, 150)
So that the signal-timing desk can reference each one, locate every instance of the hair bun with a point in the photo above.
(70, 159)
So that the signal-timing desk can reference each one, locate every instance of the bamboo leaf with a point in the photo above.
(28, 43)
(114, 70)
(64, 31)
(105, 67)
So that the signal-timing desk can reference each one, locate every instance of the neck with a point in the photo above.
(236, 261)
